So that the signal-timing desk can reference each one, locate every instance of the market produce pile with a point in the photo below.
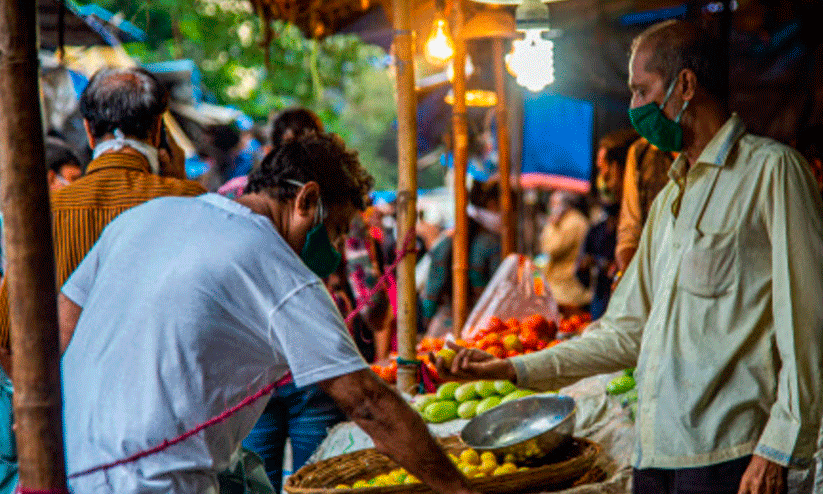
(624, 389)
(470, 462)
(454, 400)
(500, 338)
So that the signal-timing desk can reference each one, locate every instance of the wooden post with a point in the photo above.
(508, 228)
(406, 192)
(460, 129)
(29, 255)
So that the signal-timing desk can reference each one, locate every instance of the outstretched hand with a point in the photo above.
(763, 477)
(472, 364)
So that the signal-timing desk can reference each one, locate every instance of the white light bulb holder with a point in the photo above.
(531, 14)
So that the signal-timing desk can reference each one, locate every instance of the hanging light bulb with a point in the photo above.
(439, 46)
(531, 61)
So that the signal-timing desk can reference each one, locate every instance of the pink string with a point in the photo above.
(168, 443)
(363, 302)
(25, 490)
(388, 277)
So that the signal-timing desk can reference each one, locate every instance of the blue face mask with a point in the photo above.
(318, 253)
(651, 123)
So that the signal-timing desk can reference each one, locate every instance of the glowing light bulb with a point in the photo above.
(439, 46)
(531, 61)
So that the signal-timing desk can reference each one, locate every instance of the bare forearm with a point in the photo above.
(400, 433)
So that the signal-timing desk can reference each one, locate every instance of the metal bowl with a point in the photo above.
(527, 428)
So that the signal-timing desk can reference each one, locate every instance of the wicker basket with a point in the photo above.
(565, 467)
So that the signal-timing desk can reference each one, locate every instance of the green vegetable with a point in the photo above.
(620, 385)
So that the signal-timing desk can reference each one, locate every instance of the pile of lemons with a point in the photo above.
(470, 462)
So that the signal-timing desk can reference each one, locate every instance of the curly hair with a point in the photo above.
(677, 45)
(322, 158)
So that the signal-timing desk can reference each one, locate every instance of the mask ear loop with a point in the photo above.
(320, 213)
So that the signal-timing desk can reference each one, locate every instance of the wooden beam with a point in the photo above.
(406, 193)
(29, 255)
(508, 227)
(460, 129)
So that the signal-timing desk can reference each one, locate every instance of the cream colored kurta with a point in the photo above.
(562, 242)
(721, 310)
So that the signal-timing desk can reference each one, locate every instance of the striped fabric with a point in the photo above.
(113, 183)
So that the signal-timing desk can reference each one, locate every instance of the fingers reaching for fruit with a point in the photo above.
(455, 362)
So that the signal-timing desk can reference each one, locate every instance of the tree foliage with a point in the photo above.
(341, 78)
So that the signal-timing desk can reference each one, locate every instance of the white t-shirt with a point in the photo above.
(189, 306)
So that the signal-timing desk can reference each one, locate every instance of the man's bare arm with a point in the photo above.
(67, 314)
(396, 429)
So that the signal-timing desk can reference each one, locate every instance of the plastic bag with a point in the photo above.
(517, 289)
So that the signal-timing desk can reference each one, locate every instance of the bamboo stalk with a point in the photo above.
(508, 229)
(460, 250)
(406, 192)
(29, 254)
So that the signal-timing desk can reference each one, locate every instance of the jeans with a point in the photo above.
(302, 414)
(722, 478)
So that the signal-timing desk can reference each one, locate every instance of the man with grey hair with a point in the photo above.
(122, 110)
(720, 309)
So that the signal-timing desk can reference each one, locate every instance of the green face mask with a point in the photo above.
(651, 123)
(318, 253)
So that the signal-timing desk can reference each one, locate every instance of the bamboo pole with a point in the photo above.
(29, 255)
(406, 192)
(460, 246)
(507, 231)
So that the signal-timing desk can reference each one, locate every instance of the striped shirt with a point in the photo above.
(113, 183)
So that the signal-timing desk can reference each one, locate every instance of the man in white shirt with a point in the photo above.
(720, 308)
(170, 327)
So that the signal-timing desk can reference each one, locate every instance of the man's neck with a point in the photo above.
(707, 121)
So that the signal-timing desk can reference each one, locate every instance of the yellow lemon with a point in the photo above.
(360, 483)
(411, 479)
(398, 476)
(505, 468)
(479, 474)
(469, 470)
(487, 467)
(488, 457)
(341, 486)
(522, 469)
(454, 459)
(470, 456)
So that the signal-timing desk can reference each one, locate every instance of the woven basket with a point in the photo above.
(567, 466)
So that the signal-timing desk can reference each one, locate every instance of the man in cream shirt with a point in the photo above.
(720, 309)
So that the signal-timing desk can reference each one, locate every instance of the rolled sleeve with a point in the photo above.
(796, 228)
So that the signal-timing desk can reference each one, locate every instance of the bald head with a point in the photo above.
(131, 100)
(676, 45)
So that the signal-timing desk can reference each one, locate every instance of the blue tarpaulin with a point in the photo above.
(558, 137)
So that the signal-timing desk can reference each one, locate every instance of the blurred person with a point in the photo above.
(122, 111)
(720, 308)
(596, 265)
(63, 165)
(484, 259)
(561, 240)
(223, 141)
(645, 175)
(227, 322)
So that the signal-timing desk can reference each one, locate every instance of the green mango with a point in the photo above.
(446, 391)
(465, 392)
(504, 387)
(519, 393)
(420, 402)
(484, 389)
(440, 411)
(487, 404)
(467, 409)
(620, 385)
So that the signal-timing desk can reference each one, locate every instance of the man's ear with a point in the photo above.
(687, 80)
(308, 198)
(89, 135)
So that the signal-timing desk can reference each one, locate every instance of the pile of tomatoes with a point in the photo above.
(499, 338)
